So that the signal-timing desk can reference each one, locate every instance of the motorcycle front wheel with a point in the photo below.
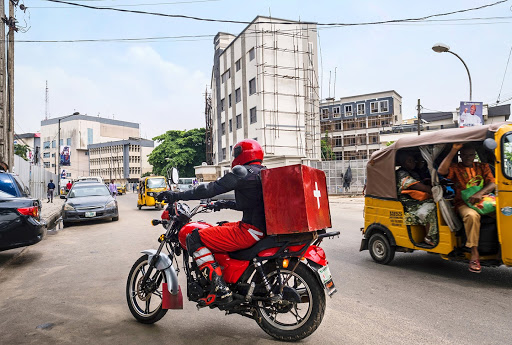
(294, 321)
(145, 303)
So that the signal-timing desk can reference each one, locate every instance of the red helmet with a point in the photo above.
(247, 151)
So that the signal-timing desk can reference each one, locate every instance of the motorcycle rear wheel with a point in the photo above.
(146, 308)
(301, 319)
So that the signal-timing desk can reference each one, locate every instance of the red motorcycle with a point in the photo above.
(280, 282)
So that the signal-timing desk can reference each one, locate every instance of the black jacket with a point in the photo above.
(246, 182)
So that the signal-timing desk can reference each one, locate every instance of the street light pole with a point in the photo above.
(443, 48)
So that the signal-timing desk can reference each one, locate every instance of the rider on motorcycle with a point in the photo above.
(244, 179)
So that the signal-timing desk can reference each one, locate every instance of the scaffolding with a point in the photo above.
(208, 139)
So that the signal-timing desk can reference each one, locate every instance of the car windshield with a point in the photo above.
(156, 183)
(88, 190)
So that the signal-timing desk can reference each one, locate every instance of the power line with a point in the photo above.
(504, 74)
(181, 16)
(145, 39)
(135, 5)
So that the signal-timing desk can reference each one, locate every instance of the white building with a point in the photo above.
(265, 87)
(353, 123)
(77, 131)
(123, 160)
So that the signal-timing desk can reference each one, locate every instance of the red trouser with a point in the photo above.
(230, 237)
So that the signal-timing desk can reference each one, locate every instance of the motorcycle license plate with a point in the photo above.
(90, 214)
(325, 276)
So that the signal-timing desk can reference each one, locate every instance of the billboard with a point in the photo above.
(65, 155)
(470, 114)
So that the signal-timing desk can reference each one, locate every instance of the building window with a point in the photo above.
(336, 112)
(348, 110)
(237, 65)
(374, 107)
(224, 153)
(338, 156)
(226, 76)
(325, 113)
(46, 145)
(361, 109)
(337, 125)
(230, 149)
(252, 86)
(238, 121)
(252, 54)
(53, 165)
(46, 164)
(373, 138)
(68, 141)
(89, 136)
(238, 95)
(338, 142)
(61, 142)
(222, 129)
(229, 101)
(384, 106)
(253, 117)
(46, 155)
(54, 144)
(222, 104)
(68, 174)
(230, 125)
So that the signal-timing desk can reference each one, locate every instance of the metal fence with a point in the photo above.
(33, 176)
(335, 172)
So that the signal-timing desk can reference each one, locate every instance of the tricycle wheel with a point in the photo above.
(139, 206)
(380, 249)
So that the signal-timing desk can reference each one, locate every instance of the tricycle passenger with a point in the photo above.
(416, 197)
(461, 174)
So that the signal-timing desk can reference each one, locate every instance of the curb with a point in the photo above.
(52, 220)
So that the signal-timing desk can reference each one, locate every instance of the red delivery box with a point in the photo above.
(296, 199)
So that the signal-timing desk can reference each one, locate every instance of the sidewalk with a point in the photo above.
(50, 212)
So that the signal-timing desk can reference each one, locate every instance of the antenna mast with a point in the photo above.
(46, 100)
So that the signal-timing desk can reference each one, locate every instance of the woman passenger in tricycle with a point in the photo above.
(416, 197)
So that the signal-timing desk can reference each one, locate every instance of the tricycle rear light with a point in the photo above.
(29, 211)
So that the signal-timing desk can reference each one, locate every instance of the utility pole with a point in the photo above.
(4, 142)
(419, 116)
(10, 80)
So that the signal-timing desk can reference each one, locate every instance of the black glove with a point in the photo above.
(168, 196)
(222, 204)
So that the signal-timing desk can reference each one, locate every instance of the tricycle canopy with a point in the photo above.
(380, 170)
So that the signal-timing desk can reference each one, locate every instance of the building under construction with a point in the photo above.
(265, 87)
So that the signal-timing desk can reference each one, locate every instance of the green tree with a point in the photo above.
(326, 148)
(21, 150)
(145, 174)
(180, 149)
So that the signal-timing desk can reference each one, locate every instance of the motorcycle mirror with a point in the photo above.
(172, 176)
(490, 144)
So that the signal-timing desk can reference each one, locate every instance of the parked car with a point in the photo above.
(90, 178)
(89, 200)
(121, 188)
(11, 184)
(20, 224)
(185, 183)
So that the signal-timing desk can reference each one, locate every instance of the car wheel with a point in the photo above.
(380, 249)
(115, 219)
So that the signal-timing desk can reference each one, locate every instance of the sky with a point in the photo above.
(161, 83)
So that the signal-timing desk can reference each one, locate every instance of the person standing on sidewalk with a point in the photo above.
(112, 188)
(51, 189)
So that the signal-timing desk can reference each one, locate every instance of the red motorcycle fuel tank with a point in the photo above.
(187, 229)
(295, 199)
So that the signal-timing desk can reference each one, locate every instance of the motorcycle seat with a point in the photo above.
(270, 242)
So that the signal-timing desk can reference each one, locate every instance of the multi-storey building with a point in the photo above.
(265, 87)
(77, 131)
(122, 160)
(353, 124)
(33, 141)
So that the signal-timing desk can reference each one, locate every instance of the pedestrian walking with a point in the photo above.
(112, 188)
(51, 189)
(134, 187)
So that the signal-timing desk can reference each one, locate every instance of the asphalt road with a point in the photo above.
(72, 286)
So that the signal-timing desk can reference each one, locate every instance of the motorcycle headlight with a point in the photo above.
(110, 204)
(151, 194)
(68, 207)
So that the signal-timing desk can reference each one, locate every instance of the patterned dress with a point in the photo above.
(416, 212)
